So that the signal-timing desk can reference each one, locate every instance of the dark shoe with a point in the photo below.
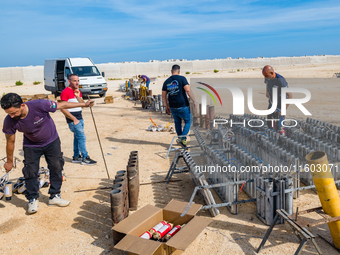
(88, 161)
(77, 159)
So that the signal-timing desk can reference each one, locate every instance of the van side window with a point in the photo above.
(67, 72)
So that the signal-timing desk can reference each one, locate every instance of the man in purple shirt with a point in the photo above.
(145, 79)
(40, 138)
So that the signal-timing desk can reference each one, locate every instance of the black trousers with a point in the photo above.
(55, 164)
(274, 124)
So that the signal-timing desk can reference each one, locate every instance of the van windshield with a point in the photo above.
(82, 71)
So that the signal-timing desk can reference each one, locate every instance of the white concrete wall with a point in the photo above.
(24, 74)
(125, 70)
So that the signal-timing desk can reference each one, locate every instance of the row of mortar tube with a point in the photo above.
(326, 189)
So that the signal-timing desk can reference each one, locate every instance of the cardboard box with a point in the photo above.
(109, 100)
(129, 230)
(25, 98)
(51, 97)
(40, 96)
(33, 98)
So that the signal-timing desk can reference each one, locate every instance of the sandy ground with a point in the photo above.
(85, 226)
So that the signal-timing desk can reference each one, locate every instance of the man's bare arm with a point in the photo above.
(10, 142)
(70, 116)
(68, 105)
(77, 95)
(289, 96)
(80, 99)
(165, 101)
(190, 94)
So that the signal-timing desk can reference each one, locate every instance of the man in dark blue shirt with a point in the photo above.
(274, 80)
(176, 87)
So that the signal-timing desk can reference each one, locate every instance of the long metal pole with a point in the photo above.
(100, 144)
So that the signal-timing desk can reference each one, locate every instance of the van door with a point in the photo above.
(68, 71)
(60, 75)
(49, 75)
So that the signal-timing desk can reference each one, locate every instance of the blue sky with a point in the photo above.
(116, 30)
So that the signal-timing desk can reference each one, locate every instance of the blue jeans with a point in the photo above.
(179, 114)
(79, 141)
(147, 84)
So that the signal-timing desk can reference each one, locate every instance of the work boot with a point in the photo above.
(77, 159)
(57, 200)
(88, 161)
(33, 206)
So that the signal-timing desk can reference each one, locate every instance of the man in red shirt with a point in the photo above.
(75, 121)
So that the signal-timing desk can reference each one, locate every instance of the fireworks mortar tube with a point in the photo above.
(8, 191)
(121, 177)
(157, 227)
(146, 235)
(133, 184)
(22, 188)
(173, 232)
(117, 205)
(163, 231)
(41, 182)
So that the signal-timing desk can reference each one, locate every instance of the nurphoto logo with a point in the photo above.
(238, 100)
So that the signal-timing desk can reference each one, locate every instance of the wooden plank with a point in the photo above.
(310, 210)
(319, 222)
(323, 214)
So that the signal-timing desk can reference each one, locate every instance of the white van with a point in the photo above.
(56, 72)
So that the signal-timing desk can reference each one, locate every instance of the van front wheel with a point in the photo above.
(102, 94)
